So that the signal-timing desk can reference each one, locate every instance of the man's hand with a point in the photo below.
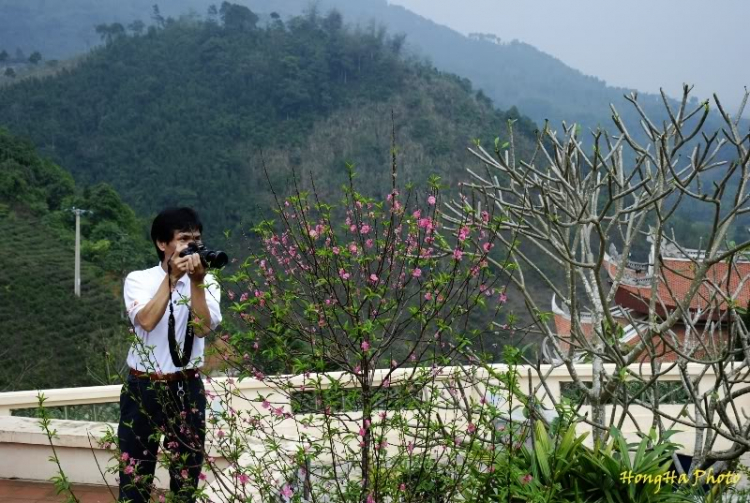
(196, 271)
(190, 264)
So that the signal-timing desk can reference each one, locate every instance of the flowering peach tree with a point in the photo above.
(368, 324)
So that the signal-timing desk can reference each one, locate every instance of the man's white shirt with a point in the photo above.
(150, 352)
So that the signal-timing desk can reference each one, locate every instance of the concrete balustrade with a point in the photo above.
(24, 449)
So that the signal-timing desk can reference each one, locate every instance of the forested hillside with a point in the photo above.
(195, 112)
(510, 72)
(49, 336)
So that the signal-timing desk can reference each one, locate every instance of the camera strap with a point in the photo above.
(177, 359)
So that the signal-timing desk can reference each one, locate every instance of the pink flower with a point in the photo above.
(220, 433)
(353, 228)
(243, 297)
(417, 214)
(526, 478)
(162, 499)
(487, 247)
(457, 254)
(125, 456)
(370, 498)
(402, 487)
(364, 229)
(431, 200)
(313, 233)
(129, 469)
(463, 233)
(410, 448)
(336, 250)
(503, 298)
(202, 476)
(428, 296)
(365, 345)
(416, 272)
(369, 243)
(287, 491)
(344, 275)
(243, 478)
(362, 431)
(485, 217)
(184, 474)
(353, 248)
(266, 404)
(374, 278)
(471, 428)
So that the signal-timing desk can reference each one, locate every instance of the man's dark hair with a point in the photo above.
(173, 220)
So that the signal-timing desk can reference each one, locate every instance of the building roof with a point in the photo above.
(675, 276)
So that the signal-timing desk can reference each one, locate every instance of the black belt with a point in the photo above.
(182, 375)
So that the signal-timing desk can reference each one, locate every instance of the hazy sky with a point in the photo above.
(645, 44)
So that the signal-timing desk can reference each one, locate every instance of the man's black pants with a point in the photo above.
(148, 410)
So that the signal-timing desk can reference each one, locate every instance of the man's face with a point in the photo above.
(180, 241)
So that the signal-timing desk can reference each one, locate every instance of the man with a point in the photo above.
(164, 392)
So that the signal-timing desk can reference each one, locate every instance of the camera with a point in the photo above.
(209, 258)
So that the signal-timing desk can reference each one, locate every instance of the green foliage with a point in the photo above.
(35, 58)
(206, 114)
(601, 469)
(62, 484)
(113, 237)
(553, 461)
(51, 338)
(58, 339)
(29, 180)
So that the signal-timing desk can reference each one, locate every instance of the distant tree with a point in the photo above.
(4, 56)
(213, 12)
(10, 72)
(117, 30)
(157, 17)
(35, 58)
(102, 30)
(276, 21)
(396, 43)
(237, 17)
(109, 32)
(333, 22)
(137, 27)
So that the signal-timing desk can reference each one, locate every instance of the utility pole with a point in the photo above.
(77, 285)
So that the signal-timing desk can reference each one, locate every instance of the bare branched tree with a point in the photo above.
(583, 213)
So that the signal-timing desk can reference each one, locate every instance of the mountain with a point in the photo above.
(511, 73)
(50, 337)
(199, 112)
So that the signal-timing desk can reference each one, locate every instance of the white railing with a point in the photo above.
(23, 436)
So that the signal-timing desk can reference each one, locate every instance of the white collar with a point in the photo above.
(182, 280)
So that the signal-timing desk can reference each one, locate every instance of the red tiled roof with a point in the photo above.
(675, 277)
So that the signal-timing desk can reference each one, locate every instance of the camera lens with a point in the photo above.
(217, 259)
